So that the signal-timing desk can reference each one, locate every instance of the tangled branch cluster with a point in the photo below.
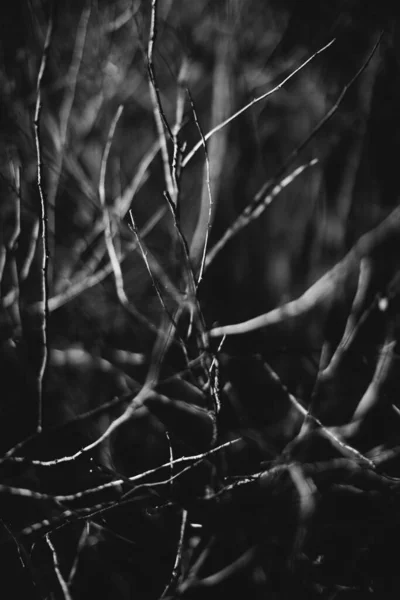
(141, 452)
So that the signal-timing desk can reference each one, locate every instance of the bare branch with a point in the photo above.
(374, 391)
(121, 206)
(229, 571)
(195, 149)
(43, 222)
(202, 229)
(321, 124)
(345, 449)
(60, 131)
(327, 286)
(177, 146)
(158, 112)
(178, 556)
(63, 584)
(149, 270)
(81, 544)
(254, 210)
(267, 192)
(80, 285)
(26, 267)
(114, 261)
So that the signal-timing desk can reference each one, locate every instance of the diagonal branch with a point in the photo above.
(199, 144)
(327, 286)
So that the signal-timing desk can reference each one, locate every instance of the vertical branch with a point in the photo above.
(81, 544)
(43, 223)
(14, 294)
(121, 207)
(159, 117)
(202, 230)
(365, 93)
(178, 556)
(191, 291)
(168, 284)
(177, 146)
(60, 577)
(149, 269)
(108, 235)
(215, 154)
(119, 284)
(60, 132)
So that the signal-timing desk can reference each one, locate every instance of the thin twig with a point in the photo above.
(121, 206)
(78, 286)
(65, 112)
(158, 112)
(114, 261)
(12, 297)
(191, 289)
(178, 556)
(215, 150)
(149, 270)
(323, 121)
(102, 197)
(177, 146)
(43, 222)
(263, 196)
(199, 144)
(177, 296)
(344, 448)
(255, 209)
(210, 199)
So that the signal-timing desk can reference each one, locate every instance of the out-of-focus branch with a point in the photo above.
(107, 221)
(373, 394)
(114, 260)
(229, 571)
(215, 152)
(365, 93)
(121, 206)
(196, 316)
(81, 284)
(8, 252)
(34, 237)
(198, 246)
(254, 210)
(327, 286)
(177, 145)
(199, 144)
(269, 190)
(81, 544)
(61, 129)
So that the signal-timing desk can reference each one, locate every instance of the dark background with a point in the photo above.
(234, 51)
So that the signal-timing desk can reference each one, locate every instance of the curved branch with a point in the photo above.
(326, 287)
